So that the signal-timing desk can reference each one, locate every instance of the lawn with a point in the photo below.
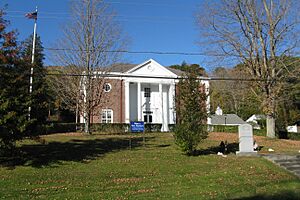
(103, 167)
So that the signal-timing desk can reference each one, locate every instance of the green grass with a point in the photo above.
(103, 167)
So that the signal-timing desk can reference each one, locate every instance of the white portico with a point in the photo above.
(150, 94)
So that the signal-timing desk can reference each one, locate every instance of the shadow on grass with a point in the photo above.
(231, 148)
(39, 155)
(286, 195)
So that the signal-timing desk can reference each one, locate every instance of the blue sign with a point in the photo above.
(137, 126)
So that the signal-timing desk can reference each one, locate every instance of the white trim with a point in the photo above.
(106, 118)
(152, 62)
(127, 102)
(104, 87)
(139, 101)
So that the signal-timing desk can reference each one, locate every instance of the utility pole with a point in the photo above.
(32, 16)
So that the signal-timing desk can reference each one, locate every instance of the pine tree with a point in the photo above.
(13, 100)
(191, 113)
(39, 98)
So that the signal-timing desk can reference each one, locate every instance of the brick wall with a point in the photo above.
(114, 99)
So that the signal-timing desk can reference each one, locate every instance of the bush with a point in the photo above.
(110, 128)
(149, 128)
(260, 132)
(59, 128)
(172, 127)
(223, 128)
(188, 137)
(123, 128)
(293, 136)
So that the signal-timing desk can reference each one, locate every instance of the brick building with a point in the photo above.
(144, 92)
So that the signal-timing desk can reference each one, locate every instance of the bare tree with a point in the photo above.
(91, 42)
(258, 33)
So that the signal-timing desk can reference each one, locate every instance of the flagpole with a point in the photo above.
(32, 62)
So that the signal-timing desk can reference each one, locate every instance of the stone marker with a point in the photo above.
(246, 141)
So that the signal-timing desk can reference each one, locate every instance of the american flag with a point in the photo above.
(32, 15)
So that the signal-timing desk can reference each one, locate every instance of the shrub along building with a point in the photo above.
(144, 92)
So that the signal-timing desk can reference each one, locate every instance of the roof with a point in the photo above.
(256, 117)
(121, 67)
(176, 71)
(125, 67)
(226, 119)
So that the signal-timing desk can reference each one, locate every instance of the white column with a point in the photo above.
(165, 108)
(171, 104)
(161, 105)
(139, 102)
(127, 103)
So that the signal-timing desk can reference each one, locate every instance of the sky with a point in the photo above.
(152, 25)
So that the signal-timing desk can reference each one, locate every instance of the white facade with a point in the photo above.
(158, 105)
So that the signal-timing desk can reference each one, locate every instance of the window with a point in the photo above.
(107, 116)
(147, 92)
(148, 118)
(107, 87)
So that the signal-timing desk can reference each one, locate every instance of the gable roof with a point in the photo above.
(226, 119)
(129, 68)
(121, 67)
(165, 70)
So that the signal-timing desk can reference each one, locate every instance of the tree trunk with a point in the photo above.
(270, 126)
(76, 117)
(87, 123)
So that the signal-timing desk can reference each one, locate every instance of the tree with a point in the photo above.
(26, 51)
(234, 96)
(258, 34)
(40, 98)
(288, 108)
(186, 67)
(92, 41)
(14, 100)
(191, 113)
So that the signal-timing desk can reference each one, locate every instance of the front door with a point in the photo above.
(147, 116)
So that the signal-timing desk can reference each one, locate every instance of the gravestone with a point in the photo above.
(246, 141)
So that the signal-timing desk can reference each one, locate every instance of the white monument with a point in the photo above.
(219, 111)
(246, 141)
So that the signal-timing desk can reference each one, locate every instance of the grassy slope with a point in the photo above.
(102, 167)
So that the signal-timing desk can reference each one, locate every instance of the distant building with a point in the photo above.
(294, 128)
(253, 120)
(225, 119)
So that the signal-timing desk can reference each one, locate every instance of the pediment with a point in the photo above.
(151, 68)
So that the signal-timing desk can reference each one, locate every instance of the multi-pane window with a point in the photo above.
(147, 92)
(107, 116)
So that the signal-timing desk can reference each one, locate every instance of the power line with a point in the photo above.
(118, 18)
(107, 75)
(104, 15)
(134, 52)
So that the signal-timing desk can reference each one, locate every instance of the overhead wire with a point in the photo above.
(54, 16)
(133, 52)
